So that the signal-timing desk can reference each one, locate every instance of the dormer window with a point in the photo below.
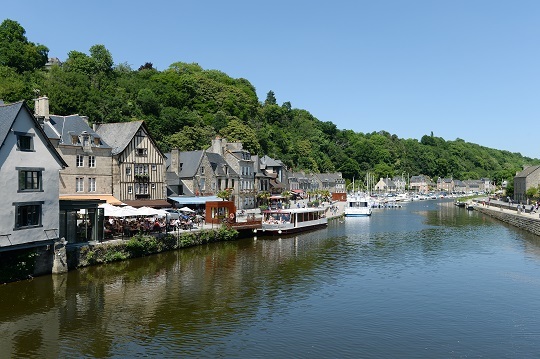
(75, 140)
(25, 142)
(96, 141)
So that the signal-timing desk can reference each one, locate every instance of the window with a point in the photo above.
(80, 161)
(202, 183)
(27, 215)
(141, 188)
(130, 189)
(79, 184)
(30, 179)
(154, 168)
(92, 161)
(128, 171)
(86, 140)
(96, 141)
(153, 186)
(142, 152)
(74, 140)
(141, 169)
(202, 170)
(91, 185)
(25, 142)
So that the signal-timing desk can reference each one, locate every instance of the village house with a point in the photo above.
(400, 184)
(89, 174)
(262, 179)
(29, 177)
(445, 184)
(275, 170)
(473, 186)
(331, 182)
(528, 178)
(385, 185)
(459, 186)
(240, 161)
(198, 173)
(420, 184)
(138, 165)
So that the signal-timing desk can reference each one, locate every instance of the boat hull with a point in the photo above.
(273, 231)
(357, 214)
(276, 222)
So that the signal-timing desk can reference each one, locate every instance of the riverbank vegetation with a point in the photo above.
(185, 106)
(142, 245)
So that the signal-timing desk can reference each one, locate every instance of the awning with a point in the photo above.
(109, 198)
(183, 200)
(154, 203)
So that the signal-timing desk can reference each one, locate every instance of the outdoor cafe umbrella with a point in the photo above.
(147, 211)
(186, 209)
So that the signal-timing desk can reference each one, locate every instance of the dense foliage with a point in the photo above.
(185, 106)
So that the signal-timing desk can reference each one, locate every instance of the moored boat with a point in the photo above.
(281, 221)
(357, 206)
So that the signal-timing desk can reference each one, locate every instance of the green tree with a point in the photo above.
(225, 194)
(270, 98)
(17, 52)
(236, 131)
(189, 139)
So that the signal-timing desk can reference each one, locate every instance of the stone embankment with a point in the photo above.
(529, 221)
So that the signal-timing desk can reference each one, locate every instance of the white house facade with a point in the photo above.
(29, 178)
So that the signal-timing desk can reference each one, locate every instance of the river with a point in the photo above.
(429, 280)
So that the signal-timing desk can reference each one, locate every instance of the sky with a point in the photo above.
(467, 69)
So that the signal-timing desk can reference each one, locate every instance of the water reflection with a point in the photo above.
(424, 276)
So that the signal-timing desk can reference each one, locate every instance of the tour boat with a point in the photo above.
(281, 221)
(357, 206)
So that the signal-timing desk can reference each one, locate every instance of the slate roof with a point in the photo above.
(118, 135)
(218, 162)
(329, 177)
(63, 127)
(8, 114)
(258, 166)
(527, 171)
(270, 162)
(191, 161)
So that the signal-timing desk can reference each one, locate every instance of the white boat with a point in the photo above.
(281, 221)
(357, 206)
(403, 197)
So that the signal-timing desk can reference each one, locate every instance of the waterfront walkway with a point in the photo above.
(510, 213)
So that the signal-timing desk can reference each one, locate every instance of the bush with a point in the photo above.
(140, 245)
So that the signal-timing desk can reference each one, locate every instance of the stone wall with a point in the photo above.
(526, 221)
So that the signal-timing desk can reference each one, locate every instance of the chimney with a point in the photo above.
(217, 145)
(42, 107)
(175, 160)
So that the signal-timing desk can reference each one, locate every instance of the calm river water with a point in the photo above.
(429, 280)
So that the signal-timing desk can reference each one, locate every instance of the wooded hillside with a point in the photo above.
(185, 106)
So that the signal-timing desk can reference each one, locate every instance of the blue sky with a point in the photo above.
(466, 69)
